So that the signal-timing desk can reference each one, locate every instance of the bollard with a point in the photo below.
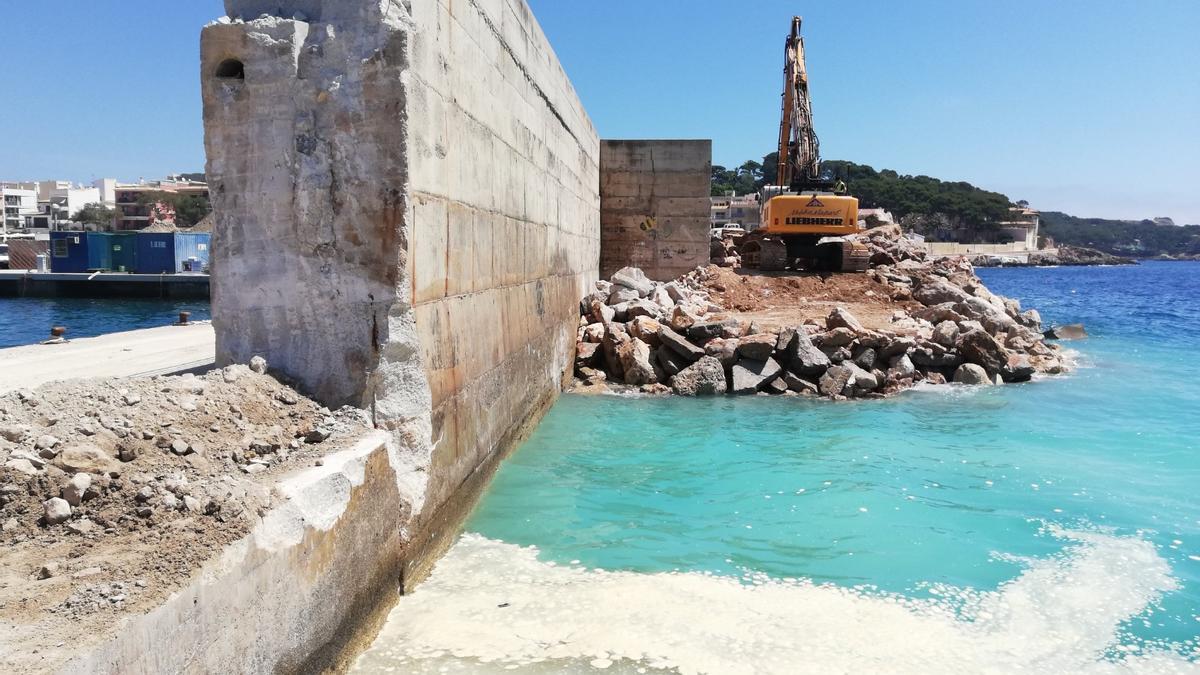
(183, 318)
(57, 334)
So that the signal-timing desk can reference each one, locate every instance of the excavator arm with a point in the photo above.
(799, 150)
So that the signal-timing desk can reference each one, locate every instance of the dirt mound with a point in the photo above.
(778, 299)
(113, 493)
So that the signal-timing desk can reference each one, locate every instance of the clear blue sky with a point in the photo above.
(1087, 106)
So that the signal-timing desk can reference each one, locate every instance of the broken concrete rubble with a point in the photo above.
(948, 320)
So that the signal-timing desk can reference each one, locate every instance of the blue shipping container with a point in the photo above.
(112, 252)
(68, 252)
(156, 253)
(192, 251)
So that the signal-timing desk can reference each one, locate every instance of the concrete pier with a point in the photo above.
(30, 284)
(139, 353)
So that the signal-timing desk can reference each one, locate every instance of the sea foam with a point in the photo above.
(495, 607)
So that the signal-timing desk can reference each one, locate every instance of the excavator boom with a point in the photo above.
(803, 223)
(799, 149)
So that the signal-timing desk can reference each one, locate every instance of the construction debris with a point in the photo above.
(942, 325)
(113, 493)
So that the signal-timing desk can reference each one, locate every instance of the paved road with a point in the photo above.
(154, 351)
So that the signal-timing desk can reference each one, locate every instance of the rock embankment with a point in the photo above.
(947, 327)
(1063, 256)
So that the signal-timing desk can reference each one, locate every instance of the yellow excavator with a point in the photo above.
(804, 218)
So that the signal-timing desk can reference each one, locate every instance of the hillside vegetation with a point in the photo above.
(1122, 237)
(961, 211)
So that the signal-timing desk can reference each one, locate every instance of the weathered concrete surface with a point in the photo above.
(140, 353)
(407, 215)
(294, 595)
(654, 206)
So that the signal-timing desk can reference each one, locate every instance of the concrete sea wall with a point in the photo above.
(407, 214)
(654, 206)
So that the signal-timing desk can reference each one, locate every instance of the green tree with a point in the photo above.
(189, 209)
(98, 215)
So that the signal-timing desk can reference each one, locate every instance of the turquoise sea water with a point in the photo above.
(28, 320)
(1046, 527)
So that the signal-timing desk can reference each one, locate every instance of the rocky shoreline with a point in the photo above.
(663, 338)
(1066, 256)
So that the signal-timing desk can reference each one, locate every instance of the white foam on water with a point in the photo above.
(494, 607)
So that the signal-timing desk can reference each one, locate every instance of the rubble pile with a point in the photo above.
(113, 486)
(947, 327)
(724, 250)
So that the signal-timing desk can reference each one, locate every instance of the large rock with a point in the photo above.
(862, 380)
(723, 350)
(620, 295)
(972, 374)
(75, 489)
(939, 313)
(671, 362)
(677, 292)
(803, 358)
(634, 356)
(1017, 368)
(680, 345)
(840, 317)
(758, 347)
(703, 332)
(594, 332)
(86, 459)
(602, 313)
(902, 368)
(865, 358)
(993, 318)
(837, 381)
(1031, 319)
(706, 377)
(642, 308)
(681, 318)
(800, 385)
(646, 329)
(946, 333)
(895, 347)
(1074, 331)
(838, 337)
(933, 355)
(634, 279)
(980, 348)
(938, 291)
(56, 511)
(749, 376)
(587, 354)
(661, 298)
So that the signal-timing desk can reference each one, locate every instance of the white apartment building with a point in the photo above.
(49, 204)
(20, 202)
(744, 210)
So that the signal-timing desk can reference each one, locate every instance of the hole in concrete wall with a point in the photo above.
(231, 69)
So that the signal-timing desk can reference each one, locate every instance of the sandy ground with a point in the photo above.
(776, 300)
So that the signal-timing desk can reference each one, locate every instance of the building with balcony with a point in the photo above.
(20, 202)
(1021, 227)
